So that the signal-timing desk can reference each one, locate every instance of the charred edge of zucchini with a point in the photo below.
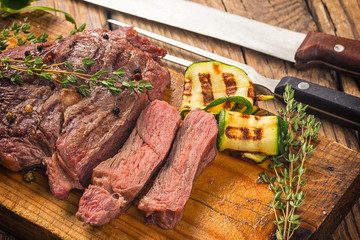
(237, 99)
(221, 126)
(282, 128)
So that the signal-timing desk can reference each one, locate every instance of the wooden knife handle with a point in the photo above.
(324, 50)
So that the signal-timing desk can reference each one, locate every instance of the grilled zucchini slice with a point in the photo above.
(213, 85)
(249, 133)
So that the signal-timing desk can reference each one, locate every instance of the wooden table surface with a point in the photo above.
(338, 17)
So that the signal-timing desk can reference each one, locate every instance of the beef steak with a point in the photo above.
(71, 134)
(193, 150)
(30, 134)
(117, 181)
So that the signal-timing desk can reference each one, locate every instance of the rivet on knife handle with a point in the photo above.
(324, 50)
(327, 103)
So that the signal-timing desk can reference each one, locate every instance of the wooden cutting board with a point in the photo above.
(227, 201)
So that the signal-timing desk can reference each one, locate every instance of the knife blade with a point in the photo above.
(314, 49)
(327, 103)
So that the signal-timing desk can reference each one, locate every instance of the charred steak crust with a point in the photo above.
(193, 150)
(62, 121)
(117, 181)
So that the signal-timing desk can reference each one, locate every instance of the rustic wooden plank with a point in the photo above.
(226, 194)
(299, 19)
(82, 12)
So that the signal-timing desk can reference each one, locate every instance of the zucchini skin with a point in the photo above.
(222, 119)
(282, 134)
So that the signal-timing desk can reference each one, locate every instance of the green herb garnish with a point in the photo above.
(289, 167)
(66, 78)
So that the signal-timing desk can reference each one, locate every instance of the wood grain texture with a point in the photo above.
(227, 201)
(334, 17)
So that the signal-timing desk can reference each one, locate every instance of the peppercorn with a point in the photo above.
(116, 111)
(40, 47)
(28, 177)
(50, 58)
(28, 108)
(137, 70)
(105, 36)
(10, 117)
(137, 76)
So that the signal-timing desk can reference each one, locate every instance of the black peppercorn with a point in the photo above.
(40, 47)
(137, 70)
(105, 36)
(27, 53)
(116, 111)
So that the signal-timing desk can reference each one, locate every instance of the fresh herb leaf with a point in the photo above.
(66, 78)
(58, 37)
(290, 168)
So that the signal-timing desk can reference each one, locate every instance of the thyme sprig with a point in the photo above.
(289, 167)
(66, 73)
(21, 34)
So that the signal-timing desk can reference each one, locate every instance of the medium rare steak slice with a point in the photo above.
(93, 130)
(118, 180)
(193, 150)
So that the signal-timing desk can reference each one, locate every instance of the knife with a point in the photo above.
(305, 50)
(327, 103)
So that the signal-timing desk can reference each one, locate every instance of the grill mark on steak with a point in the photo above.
(193, 150)
(117, 181)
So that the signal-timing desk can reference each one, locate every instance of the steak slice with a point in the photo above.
(118, 180)
(94, 129)
(193, 150)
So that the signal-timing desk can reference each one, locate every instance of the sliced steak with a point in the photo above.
(193, 150)
(93, 130)
(71, 134)
(117, 181)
